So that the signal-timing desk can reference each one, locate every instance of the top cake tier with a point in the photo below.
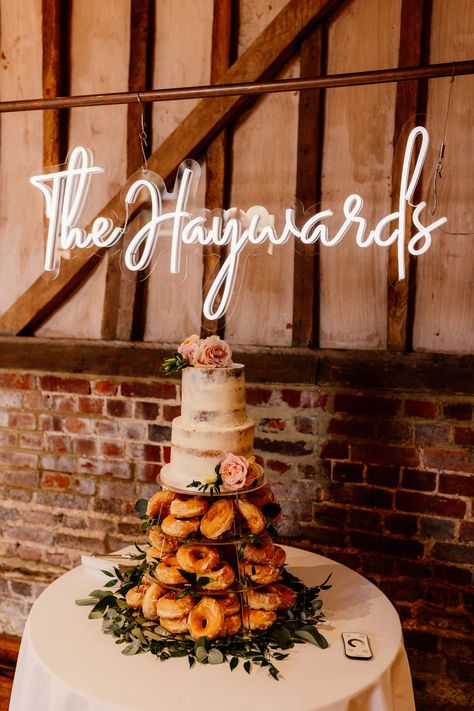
(213, 396)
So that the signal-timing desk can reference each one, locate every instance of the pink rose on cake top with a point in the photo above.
(211, 352)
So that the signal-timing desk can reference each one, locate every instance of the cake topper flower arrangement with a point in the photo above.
(233, 473)
(211, 352)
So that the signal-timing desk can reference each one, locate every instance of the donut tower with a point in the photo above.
(212, 566)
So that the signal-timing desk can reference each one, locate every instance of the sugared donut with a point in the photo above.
(253, 517)
(230, 604)
(134, 596)
(179, 527)
(177, 625)
(287, 595)
(168, 607)
(206, 618)
(167, 572)
(197, 559)
(221, 577)
(260, 550)
(150, 598)
(258, 619)
(279, 557)
(261, 574)
(218, 519)
(164, 544)
(231, 625)
(188, 507)
(265, 598)
(159, 504)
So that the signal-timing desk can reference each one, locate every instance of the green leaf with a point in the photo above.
(191, 661)
(204, 580)
(247, 666)
(111, 583)
(86, 601)
(201, 654)
(108, 573)
(141, 506)
(233, 663)
(190, 577)
(99, 594)
(215, 656)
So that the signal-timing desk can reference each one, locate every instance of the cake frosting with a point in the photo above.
(213, 422)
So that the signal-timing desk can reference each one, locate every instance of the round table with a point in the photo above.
(66, 663)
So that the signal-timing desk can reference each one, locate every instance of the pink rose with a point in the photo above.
(212, 352)
(188, 347)
(233, 471)
(254, 473)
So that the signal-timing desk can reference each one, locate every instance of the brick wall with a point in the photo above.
(380, 481)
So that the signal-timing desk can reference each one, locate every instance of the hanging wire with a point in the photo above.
(440, 164)
(143, 135)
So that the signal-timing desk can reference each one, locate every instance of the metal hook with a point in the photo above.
(143, 135)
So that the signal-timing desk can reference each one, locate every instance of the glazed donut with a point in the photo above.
(218, 519)
(150, 598)
(159, 504)
(197, 559)
(266, 598)
(279, 557)
(162, 543)
(231, 625)
(206, 618)
(258, 619)
(221, 577)
(187, 508)
(261, 574)
(179, 527)
(230, 604)
(260, 551)
(287, 595)
(263, 495)
(168, 607)
(167, 573)
(254, 518)
(177, 625)
(134, 596)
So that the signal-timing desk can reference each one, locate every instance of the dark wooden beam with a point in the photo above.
(123, 292)
(218, 152)
(410, 101)
(262, 59)
(371, 370)
(308, 189)
(55, 34)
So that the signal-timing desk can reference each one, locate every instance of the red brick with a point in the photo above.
(149, 452)
(106, 428)
(19, 459)
(335, 450)
(441, 529)
(345, 471)
(382, 454)
(386, 545)
(104, 387)
(58, 462)
(78, 425)
(147, 472)
(258, 396)
(464, 435)
(305, 424)
(291, 397)
(365, 520)
(86, 485)
(361, 495)
(328, 515)
(24, 533)
(458, 410)
(431, 434)
(277, 466)
(50, 422)
(8, 440)
(383, 476)
(22, 421)
(57, 443)
(91, 405)
(421, 408)
(290, 448)
(62, 403)
(55, 383)
(119, 408)
(442, 620)
(398, 590)
(454, 460)
(453, 553)
(170, 412)
(31, 441)
(452, 574)
(297, 510)
(268, 424)
(466, 532)
(418, 480)
(133, 430)
(34, 401)
(403, 524)
(366, 405)
(146, 410)
(430, 503)
(55, 480)
(116, 490)
(159, 433)
(354, 427)
(20, 381)
(166, 454)
(26, 478)
(10, 399)
(81, 543)
(457, 484)
(147, 389)
(413, 570)
(85, 447)
(109, 448)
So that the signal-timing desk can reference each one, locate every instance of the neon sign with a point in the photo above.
(65, 193)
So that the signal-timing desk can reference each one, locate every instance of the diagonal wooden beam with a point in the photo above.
(263, 58)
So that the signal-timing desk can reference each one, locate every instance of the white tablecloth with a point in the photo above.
(67, 664)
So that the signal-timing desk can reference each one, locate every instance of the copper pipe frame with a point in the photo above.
(333, 81)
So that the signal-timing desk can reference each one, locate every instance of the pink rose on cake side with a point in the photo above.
(212, 352)
(255, 472)
(233, 471)
(188, 347)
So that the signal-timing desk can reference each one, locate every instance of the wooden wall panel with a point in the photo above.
(183, 40)
(444, 313)
(21, 154)
(99, 62)
(358, 158)
(264, 173)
